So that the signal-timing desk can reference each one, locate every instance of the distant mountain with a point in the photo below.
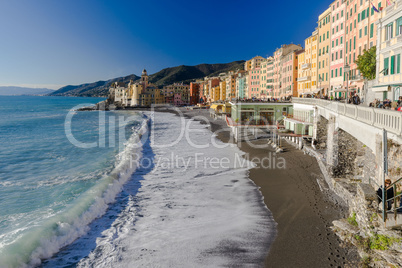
(166, 76)
(11, 90)
(96, 89)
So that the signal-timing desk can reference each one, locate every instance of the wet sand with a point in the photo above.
(300, 202)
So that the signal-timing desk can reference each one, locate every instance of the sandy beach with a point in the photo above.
(301, 204)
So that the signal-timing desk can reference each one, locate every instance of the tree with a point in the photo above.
(366, 63)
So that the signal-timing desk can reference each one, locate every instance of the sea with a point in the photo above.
(123, 189)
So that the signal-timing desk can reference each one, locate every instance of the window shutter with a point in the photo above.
(392, 65)
(371, 30)
(386, 60)
(398, 64)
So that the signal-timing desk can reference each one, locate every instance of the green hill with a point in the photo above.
(167, 76)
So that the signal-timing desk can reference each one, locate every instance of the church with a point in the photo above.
(137, 94)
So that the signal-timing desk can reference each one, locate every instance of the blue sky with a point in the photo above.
(51, 43)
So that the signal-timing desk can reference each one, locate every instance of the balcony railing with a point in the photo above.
(304, 78)
(306, 66)
(355, 77)
(380, 118)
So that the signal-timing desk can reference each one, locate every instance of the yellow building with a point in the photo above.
(302, 79)
(307, 75)
(324, 45)
(215, 93)
(150, 96)
(222, 93)
(253, 63)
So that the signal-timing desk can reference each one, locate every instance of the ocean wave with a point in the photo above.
(44, 240)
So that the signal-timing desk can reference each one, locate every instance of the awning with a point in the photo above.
(312, 92)
(380, 88)
(213, 106)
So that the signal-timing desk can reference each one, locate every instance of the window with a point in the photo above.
(363, 14)
(355, 24)
(342, 26)
(333, 30)
(398, 64)
(340, 54)
(337, 29)
(332, 73)
(354, 43)
(399, 26)
(336, 72)
(336, 42)
(342, 14)
(341, 40)
(392, 65)
(327, 34)
(337, 16)
(336, 55)
(388, 32)
(365, 31)
(332, 43)
(358, 17)
(360, 33)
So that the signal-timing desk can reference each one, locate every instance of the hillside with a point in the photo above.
(166, 76)
(96, 89)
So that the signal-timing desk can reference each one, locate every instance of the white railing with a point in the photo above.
(380, 118)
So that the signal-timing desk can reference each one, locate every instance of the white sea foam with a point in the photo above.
(42, 241)
(187, 214)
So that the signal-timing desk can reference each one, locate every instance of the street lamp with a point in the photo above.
(346, 69)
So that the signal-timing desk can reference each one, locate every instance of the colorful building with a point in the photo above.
(336, 74)
(195, 93)
(324, 43)
(253, 63)
(281, 74)
(360, 35)
(254, 83)
(389, 50)
(307, 74)
(242, 85)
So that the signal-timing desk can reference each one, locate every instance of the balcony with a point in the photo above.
(306, 66)
(305, 78)
(356, 77)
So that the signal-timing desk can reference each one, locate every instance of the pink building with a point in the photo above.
(337, 54)
(360, 35)
(254, 83)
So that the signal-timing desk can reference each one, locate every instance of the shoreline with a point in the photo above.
(300, 201)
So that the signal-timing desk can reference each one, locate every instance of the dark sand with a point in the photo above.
(301, 204)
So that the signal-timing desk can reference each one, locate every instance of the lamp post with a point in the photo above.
(346, 69)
